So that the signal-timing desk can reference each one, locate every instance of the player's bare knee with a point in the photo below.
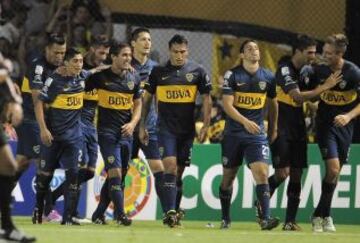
(282, 174)
(114, 172)
(156, 166)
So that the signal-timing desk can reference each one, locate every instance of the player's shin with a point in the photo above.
(42, 186)
(70, 194)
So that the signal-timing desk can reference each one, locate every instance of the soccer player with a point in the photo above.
(289, 155)
(61, 132)
(29, 142)
(94, 58)
(119, 111)
(10, 111)
(28, 132)
(337, 109)
(245, 90)
(176, 84)
(141, 44)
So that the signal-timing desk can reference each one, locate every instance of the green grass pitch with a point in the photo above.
(192, 231)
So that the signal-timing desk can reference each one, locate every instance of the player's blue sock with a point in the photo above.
(159, 182)
(116, 196)
(169, 191)
(324, 205)
(70, 193)
(225, 201)
(179, 192)
(104, 200)
(263, 195)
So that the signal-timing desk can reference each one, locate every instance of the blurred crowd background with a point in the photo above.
(215, 30)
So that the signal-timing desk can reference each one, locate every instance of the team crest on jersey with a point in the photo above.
(36, 149)
(225, 160)
(111, 159)
(342, 84)
(131, 85)
(189, 77)
(262, 85)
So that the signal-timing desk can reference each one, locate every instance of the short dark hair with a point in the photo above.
(116, 47)
(302, 42)
(135, 34)
(247, 41)
(70, 53)
(100, 40)
(178, 39)
(55, 38)
(340, 42)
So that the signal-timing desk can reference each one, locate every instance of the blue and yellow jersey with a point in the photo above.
(91, 98)
(34, 79)
(176, 89)
(144, 73)
(64, 96)
(340, 99)
(291, 115)
(116, 95)
(250, 92)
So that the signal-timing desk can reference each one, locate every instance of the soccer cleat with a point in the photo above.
(170, 218)
(53, 216)
(37, 216)
(291, 226)
(328, 225)
(14, 235)
(69, 222)
(269, 224)
(99, 220)
(317, 226)
(124, 220)
(180, 215)
(81, 220)
(225, 224)
(258, 211)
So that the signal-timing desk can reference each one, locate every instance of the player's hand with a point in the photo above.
(14, 114)
(342, 120)
(333, 80)
(46, 137)
(143, 136)
(203, 134)
(252, 127)
(128, 129)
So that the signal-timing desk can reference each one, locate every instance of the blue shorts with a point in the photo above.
(234, 149)
(116, 151)
(151, 151)
(179, 146)
(90, 147)
(65, 154)
(29, 142)
(334, 142)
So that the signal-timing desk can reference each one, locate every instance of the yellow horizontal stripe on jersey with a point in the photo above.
(115, 100)
(91, 95)
(332, 97)
(25, 86)
(250, 101)
(285, 98)
(176, 93)
(68, 101)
